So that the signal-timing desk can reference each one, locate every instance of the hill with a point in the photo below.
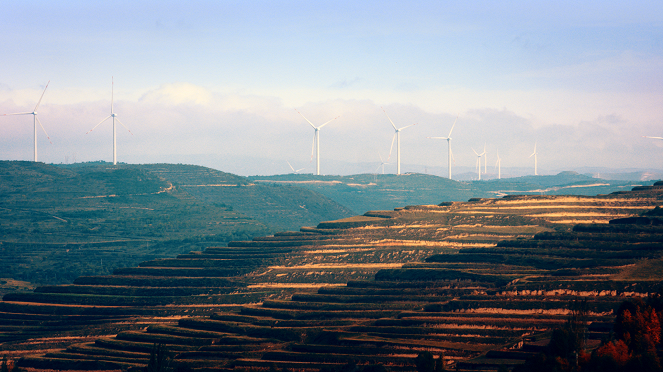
(61, 222)
(282, 207)
(476, 281)
(366, 192)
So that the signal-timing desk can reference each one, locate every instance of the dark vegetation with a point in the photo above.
(367, 192)
(61, 222)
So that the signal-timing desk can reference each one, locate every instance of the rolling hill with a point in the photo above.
(365, 192)
(61, 222)
(479, 282)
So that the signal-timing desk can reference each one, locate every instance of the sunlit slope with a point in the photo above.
(367, 192)
(458, 278)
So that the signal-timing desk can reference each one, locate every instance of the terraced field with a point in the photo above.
(480, 283)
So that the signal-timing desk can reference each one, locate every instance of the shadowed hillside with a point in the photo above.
(471, 281)
(61, 222)
(365, 192)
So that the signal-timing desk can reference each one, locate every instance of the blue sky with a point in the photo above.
(216, 82)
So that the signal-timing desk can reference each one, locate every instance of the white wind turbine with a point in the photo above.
(382, 163)
(114, 116)
(316, 142)
(36, 120)
(498, 165)
(536, 173)
(293, 169)
(448, 138)
(478, 166)
(397, 136)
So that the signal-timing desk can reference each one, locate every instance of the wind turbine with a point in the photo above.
(478, 166)
(114, 116)
(382, 163)
(397, 135)
(498, 165)
(534, 154)
(36, 119)
(293, 169)
(448, 138)
(316, 142)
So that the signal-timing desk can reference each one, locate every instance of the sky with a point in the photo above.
(218, 83)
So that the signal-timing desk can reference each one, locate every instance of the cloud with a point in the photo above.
(183, 122)
(177, 94)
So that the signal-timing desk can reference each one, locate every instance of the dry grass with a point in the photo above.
(649, 270)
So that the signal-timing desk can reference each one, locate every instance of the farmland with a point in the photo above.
(479, 282)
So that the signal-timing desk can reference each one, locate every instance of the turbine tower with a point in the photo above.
(36, 120)
(114, 116)
(316, 142)
(498, 165)
(478, 166)
(536, 173)
(448, 138)
(397, 135)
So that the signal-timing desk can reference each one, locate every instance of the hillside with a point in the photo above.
(477, 281)
(280, 207)
(367, 192)
(61, 222)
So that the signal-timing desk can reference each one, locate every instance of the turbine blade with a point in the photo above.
(329, 122)
(452, 156)
(392, 145)
(125, 127)
(438, 138)
(42, 128)
(475, 152)
(306, 119)
(661, 138)
(452, 127)
(406, 127)
(112, 89)
(42, 96)
(293, 169)
(95, 127)
(392, 123)
(381, 161)
(19, 113)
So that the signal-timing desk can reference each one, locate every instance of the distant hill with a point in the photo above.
(282, 207)
(60, 222)
(365, 192)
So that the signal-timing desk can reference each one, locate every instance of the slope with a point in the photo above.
(61, 222)
(365, 192)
